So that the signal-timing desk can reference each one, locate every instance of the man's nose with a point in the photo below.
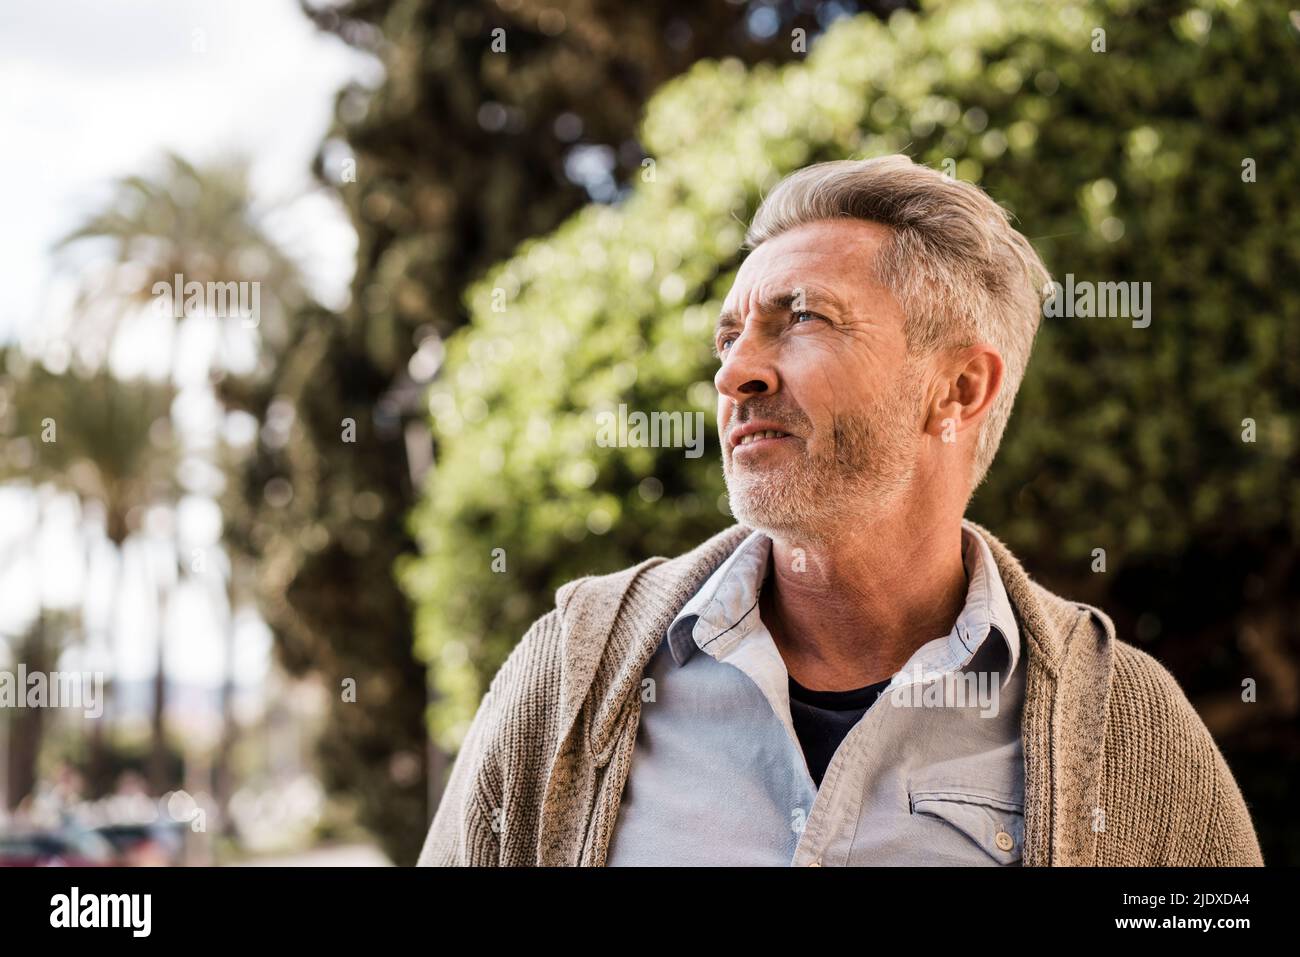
(747, 369)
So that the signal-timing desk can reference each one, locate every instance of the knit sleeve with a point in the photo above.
(464, 829)
(1169, 797)
(489, 812)
(1230, 839)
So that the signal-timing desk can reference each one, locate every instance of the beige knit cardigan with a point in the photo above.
(1119, 768)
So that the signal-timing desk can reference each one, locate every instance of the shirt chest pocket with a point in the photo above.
(995, 823)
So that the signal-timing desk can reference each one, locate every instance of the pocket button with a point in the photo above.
(995, 823)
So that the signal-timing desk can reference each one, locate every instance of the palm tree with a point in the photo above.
(99, 438)
(200, 223)
(38, 647)
(197, 222)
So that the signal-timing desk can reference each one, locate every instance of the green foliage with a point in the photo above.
(1121, 166)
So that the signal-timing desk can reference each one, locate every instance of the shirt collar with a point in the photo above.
(987, 609)
(725, 610)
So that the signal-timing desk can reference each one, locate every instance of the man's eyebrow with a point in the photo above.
(727, 319)
(780, 302)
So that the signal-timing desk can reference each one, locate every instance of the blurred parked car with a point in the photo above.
(63, 848)
(158, 844)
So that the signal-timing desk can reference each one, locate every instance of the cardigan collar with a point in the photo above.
(613, 624)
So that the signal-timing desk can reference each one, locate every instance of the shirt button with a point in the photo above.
(1004, 841)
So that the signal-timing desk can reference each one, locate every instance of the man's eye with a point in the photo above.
(725, 341)
(804, 314)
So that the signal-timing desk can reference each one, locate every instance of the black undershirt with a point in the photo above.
(823, 718)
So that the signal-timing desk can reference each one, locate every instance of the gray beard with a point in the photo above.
(870, 466)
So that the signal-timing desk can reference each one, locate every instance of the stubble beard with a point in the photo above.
(860, 479)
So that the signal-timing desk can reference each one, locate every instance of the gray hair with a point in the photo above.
(959, 269)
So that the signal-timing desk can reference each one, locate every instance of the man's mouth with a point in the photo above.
(756, 435)
(752, 437)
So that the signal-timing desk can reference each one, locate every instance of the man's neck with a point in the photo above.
(851, 612)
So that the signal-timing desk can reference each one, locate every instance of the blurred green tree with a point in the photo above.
(1134, 141)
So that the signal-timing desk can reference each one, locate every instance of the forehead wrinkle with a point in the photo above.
(782, 299)
(860, 260)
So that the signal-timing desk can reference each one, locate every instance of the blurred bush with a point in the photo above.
(1131, 164)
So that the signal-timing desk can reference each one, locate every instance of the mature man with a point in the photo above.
(855, 674)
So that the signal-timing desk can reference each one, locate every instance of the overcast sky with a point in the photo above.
(90, 91)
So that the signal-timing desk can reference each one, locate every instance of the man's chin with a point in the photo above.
(816, 519)
(781, 521)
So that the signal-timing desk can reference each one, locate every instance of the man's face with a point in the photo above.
(812, 347)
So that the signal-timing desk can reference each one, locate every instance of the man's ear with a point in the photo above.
(966, 385)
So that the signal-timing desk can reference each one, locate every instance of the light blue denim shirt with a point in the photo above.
(933, 773)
